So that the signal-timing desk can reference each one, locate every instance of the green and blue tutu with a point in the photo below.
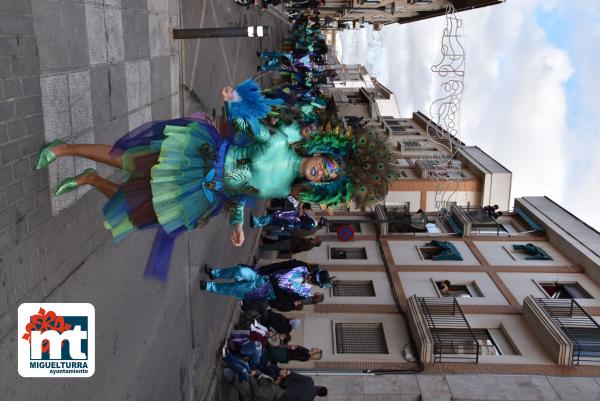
(172, 180)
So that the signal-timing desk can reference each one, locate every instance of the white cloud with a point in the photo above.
(582, 190)
(515, 106)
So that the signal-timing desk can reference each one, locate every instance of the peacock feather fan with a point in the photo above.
(367, 166)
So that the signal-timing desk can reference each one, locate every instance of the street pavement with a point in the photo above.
(210, 64)
(87, 72)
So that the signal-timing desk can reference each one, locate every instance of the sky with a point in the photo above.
(532, 90)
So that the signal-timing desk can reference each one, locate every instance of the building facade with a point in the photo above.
(515, 295)
(435, 169)
(440, 297)
(383, 12)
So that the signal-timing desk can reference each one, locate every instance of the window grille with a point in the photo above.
(453, 338)
(580, 328)
(353, 288)
(360, 338)
(412, 145)
(348, 253)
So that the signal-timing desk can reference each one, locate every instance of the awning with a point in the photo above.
(448, 251)
(535, 252)
(453, 224)
(529, 220)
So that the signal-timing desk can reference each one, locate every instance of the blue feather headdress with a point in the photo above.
(249, 104)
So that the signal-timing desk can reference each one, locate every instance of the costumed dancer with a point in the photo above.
(289, 220)
(180, 173)
(250, 285)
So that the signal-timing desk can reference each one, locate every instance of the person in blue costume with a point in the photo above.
(177, 174)
(250, 285)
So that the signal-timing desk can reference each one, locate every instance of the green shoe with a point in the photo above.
(46, 156)
(70, 184)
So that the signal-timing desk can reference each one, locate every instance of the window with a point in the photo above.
(411, 145)
(398, 130)
(439, 250)
(333, 226)
(528, 252)
(348, 253)
(428, 252)
(564, 290)
(353, 288)
(490, 341)
(458, 290)
(403, 163)
(360, 338)
(416, 146)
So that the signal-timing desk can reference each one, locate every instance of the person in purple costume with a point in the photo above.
(249, 285)
(289, 220)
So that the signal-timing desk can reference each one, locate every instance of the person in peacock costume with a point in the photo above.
(177, 174)
(360, 159)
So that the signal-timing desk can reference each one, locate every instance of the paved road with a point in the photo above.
(209, 64)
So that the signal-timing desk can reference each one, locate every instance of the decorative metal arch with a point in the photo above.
(443, 127)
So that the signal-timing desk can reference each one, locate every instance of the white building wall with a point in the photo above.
(402, 197)
(521, 336)
(437, 200)
(422, 284)
(321, 254)
(318, 332)
(500, 253)
(406, 253)
(524, 284)
(383, 292)
(388, 108)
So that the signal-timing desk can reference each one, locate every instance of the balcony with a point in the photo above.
(441, 331)
(399, 220)
(565, 329)
(475, 221)
(439, 169)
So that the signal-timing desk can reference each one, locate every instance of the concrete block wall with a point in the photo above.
(23, 206)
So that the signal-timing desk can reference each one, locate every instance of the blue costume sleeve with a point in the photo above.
(235, 210)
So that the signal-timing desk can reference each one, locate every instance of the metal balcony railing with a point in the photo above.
(398, 219)
(454, 340)
(474, 220)
(577, 325)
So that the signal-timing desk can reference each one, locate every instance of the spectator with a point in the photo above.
(293, 245)
(302, 388)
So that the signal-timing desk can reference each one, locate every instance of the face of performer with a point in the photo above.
(314, 169)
